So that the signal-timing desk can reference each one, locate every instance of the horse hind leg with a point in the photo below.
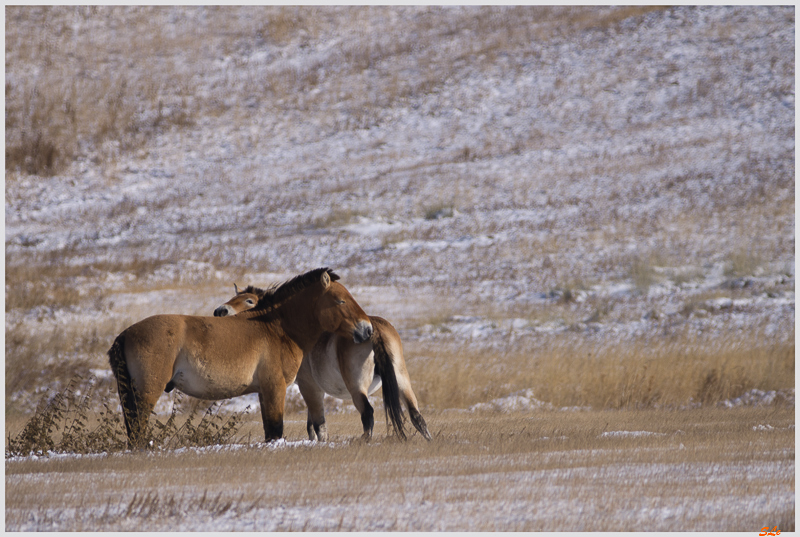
(397, 369)
(385, 368)
(413, 408)
(419, 422)
(135, 408)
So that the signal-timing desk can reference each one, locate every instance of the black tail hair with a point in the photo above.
(391, 392)
(127, 397)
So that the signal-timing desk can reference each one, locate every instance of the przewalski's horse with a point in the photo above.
(221, 357)
(343, 368)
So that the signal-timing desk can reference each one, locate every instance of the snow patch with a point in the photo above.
(373, 226)
(518, 401)
(629, 434)
(761, 398)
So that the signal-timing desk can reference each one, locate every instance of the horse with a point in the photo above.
(222, 357)
(344, 368)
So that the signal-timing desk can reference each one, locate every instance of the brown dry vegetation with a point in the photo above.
(681, 370)
(552, 471)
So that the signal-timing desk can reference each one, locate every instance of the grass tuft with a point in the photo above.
(65, 423)
(437, 212)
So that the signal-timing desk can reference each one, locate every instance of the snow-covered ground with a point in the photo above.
(657, 478)
(490, 177)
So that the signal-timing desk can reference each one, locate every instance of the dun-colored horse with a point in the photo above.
(221, 357)
(343, 368)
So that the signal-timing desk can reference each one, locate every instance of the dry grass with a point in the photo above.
(52, 118)
(567, 370)
(48, 358)
(488, 472)
(49, 279)
(67, 422)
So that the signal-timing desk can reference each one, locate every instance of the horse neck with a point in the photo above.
(295, 317)
(300, 324)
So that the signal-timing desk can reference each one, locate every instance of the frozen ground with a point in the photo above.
(514, 510)
(726, 471)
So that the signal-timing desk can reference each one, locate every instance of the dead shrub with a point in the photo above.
(62, 423)
(66, 423)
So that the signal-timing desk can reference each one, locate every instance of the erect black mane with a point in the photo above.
(259, 292)
(281, 292)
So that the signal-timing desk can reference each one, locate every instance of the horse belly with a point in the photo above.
(325, 370)
(331, 382)
(193, 380)
(329, 377)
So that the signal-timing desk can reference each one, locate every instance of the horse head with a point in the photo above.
(338, 312)
(335, 308)
(241, 301)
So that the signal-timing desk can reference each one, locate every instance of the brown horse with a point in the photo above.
(221, 357)
(343, 368)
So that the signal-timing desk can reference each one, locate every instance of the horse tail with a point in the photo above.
(127, 396)
(391, 392)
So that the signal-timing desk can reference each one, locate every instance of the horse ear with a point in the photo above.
(325, 280)
(236, 288)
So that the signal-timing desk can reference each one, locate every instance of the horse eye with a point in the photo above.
(338, 301)
(249, 302)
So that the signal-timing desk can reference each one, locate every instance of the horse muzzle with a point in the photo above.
(362, 333)
(224, 311)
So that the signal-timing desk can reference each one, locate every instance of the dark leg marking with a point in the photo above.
(367, 417)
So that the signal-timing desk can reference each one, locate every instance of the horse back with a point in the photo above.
(188, 350)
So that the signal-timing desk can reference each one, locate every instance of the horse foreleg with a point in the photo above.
(313, 395)
(272, 399)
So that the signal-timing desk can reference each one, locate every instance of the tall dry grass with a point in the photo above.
(569, 371)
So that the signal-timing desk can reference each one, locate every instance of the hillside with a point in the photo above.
(593, 203)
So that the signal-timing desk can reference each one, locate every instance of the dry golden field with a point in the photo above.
(699, 470)
(579, 219)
